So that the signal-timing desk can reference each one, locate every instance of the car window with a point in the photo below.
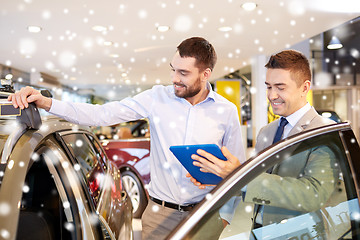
(308, 194)
(98, 149)
(113, 199)
(90, 162)
(79, 215)
(42, 213)
(125, 130)
(103, 182)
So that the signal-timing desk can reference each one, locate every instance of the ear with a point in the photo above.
(206, 74)
(306, 87)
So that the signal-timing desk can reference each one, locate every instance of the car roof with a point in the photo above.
(11, 130)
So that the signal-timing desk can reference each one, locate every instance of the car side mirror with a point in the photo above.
(30, 117)
(46, 93)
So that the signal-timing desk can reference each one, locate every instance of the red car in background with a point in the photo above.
(128, 146)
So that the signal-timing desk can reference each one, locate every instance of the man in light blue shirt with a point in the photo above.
(186, 112)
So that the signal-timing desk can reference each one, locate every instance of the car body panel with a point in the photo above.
(112, 201)
(77, 211)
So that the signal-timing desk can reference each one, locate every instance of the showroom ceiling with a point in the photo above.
(129, 54)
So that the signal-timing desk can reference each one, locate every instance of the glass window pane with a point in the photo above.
(108, 207)
(82, 150)
(88, 160)
(101, 156)
(42, 213)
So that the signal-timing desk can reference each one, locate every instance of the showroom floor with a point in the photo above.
(137, 228)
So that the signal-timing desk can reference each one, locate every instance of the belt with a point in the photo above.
(181, 208)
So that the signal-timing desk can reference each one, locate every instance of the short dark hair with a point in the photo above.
(200, 49)
(294, 61)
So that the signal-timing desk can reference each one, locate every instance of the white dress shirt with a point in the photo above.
(173, 121)
(294, 118)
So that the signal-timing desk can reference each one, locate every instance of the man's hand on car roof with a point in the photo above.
(27, 95)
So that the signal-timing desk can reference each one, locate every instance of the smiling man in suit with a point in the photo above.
(310, 173)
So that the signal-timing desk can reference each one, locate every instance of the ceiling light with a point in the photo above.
(225, 29)
(8, 76)
(99, 28)
(6, 73)
(163, 28)
(34, 29)
(326, 114)
(334, 43)
(108, 43)
(249, 6)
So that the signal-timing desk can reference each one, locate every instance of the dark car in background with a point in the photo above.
(128, 146)
(330, 114)
(56, 181)
(333, 217)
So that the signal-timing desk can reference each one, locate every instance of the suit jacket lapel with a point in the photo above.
(304, 122)
(300, 126)
(266, 136)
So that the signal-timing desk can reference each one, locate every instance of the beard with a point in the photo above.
(189, 91)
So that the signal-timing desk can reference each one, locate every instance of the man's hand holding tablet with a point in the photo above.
(185, 153)
(211, 164)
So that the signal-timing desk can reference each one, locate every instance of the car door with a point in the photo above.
(305, 187)
(54, 204)
(103, 182)
(115, 205)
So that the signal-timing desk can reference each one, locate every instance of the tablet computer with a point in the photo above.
(183, 154)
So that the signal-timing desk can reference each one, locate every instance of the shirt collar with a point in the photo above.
(296, 116)
(211, 94)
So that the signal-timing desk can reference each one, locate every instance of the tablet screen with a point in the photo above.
(183, 154)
